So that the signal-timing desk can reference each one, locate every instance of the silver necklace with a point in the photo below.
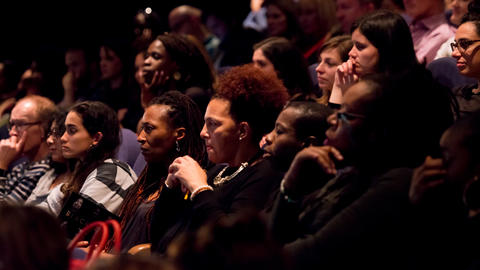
(219, 180)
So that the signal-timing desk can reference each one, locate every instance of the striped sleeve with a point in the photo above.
(107, 185)
(18, 184)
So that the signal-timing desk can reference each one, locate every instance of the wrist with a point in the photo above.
(286, 194)
(200, 189)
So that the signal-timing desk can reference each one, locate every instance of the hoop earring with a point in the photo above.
(177, 146)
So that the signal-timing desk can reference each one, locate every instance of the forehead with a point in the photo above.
(26, 109)
(467, 30)
(156, 45)
(73, 118)
(330, 53)
(218, 108)
(156, 113)
(288, 116)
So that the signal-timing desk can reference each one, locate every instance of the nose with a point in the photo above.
(332, 119)
(270, 137)
(64, 138)
(455, 53)
(50, 140)
(203, 132)
(319, 69)
(141, 137)
(352, 53)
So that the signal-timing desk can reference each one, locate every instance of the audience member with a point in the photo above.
(170, 128)
(359, 195)
(175, 62)
(332, 54)
(348, 11)
(187, 20)
(242, 178)
(279, 57)
(31, 239)
(429, 27)
(92, 136)
(29, 124)
(381, 43)
(465, 51)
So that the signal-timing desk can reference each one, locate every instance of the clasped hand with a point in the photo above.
(301, 177)
(187, 172)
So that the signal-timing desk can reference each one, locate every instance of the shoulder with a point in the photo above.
(112, 168)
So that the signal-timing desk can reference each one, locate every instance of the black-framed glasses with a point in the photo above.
(347, 117)
(462, 44)
(21, 125)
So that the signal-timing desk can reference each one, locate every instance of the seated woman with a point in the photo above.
(61, 170)
(91, 137)
(175, 62)
(333, 53)
(359, 193)
(465, 50)
(280, 57)
(382, 43)
(242, 178)
(170, 128)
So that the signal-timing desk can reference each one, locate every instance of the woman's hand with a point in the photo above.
(345, 76)
(301, 177)
(426, 177)
(186, 171)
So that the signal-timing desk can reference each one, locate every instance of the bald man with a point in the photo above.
(28, 127)
(187, 20)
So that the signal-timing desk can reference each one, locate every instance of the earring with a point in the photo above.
(177, 76)
(177, 146)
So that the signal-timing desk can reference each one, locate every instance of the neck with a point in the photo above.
(244, 154)
(38, 153)
(116, 82)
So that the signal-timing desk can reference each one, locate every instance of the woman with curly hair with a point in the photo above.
(242, 178)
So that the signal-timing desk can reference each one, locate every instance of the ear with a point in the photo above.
(180, 133)
(97, 138)
(309, 141)
(244, 131)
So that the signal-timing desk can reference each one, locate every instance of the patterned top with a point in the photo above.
(17, 185)
(107, 186)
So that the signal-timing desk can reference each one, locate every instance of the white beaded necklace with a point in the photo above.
(219, 180)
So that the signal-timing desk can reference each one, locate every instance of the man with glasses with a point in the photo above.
(28, 126)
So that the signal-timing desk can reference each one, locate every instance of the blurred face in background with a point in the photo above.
(76, 63)
(276, 21)
(260, 61)
(110, 64)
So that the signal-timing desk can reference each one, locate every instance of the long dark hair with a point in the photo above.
(390, 34)
(183, 112)
(289, 63)
(96, 117)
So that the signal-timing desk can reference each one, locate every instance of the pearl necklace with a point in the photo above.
(219, 180)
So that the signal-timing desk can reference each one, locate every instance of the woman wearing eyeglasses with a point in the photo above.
(359, 217)
(465, 50)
